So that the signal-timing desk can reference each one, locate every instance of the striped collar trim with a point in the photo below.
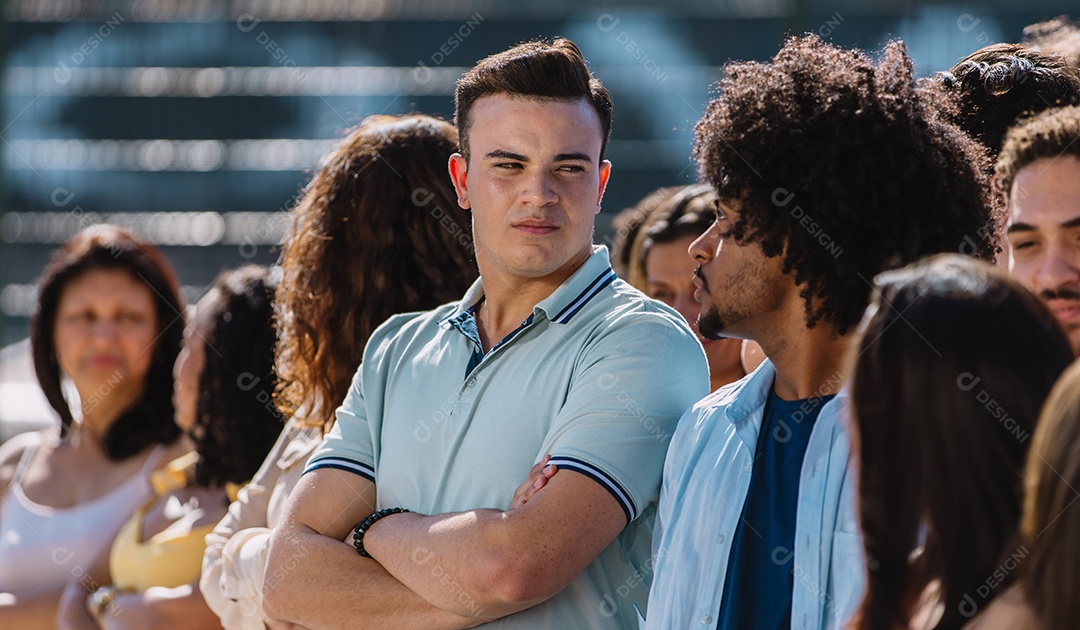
(565, 302)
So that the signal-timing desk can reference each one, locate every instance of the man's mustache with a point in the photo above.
(701, 278)
(1060, 294)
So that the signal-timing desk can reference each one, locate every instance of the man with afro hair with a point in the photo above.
(829, 169)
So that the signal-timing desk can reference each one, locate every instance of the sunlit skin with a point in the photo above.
(669, 277)
(105, 331)
(1044, 236)
(533, 181)
(189, 366)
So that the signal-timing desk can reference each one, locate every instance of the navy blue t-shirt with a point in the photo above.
(760, 578)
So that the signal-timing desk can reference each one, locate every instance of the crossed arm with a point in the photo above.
(443, 571)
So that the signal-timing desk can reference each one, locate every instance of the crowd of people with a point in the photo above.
(832, 385)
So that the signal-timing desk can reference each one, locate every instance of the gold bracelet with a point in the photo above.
(100, 601)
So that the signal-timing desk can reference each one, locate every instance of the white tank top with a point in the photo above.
(42, 547)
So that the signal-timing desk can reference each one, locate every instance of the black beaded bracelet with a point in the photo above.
(364, 525)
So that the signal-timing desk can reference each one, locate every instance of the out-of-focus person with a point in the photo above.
(669, 271)
(942, 422)
(109, 319)
(377, 232)
(224, 382)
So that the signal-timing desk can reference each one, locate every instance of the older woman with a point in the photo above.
(109, 319)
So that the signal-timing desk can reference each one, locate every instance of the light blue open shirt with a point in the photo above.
(706, 479)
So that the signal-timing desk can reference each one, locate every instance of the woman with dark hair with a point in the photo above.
(224, 385)
(952, 364)
(377, 232)
(109, 319)
(663, 255)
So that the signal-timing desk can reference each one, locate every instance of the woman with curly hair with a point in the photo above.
(108, 318)
(378, 231)
(224, 383)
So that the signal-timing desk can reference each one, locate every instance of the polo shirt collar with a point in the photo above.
(559, 307)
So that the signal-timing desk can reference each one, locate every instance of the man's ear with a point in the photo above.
(459, 168)
(605, 173)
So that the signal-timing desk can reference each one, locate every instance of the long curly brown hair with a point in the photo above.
(378, 231)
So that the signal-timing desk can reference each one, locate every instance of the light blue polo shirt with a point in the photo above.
(597, 376)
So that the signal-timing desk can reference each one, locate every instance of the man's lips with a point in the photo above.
(1064, 309)
(535, 228)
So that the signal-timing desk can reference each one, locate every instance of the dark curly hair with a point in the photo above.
(688, 212)
(150, 419)
(627, 226)
(236, 422)
(1051, 134)
(842, 166)
(993, 87)
(378, 231)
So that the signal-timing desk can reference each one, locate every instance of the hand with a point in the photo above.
(537, 479)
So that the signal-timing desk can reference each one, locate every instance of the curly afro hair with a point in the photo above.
(843, 167)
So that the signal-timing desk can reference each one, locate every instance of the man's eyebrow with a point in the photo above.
(1020, 227)
(1071, 223)
(505, 155)
(562, 157)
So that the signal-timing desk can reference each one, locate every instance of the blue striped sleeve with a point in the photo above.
(601, 477)
(341, 463)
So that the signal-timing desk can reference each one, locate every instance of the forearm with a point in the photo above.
(180, 608)
(31, 613)
(232, 578)
(318, 582)
(462, 563)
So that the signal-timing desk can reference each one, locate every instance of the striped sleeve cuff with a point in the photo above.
(340, 463)
(602, 478)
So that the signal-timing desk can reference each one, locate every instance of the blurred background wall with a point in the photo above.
(196, 122)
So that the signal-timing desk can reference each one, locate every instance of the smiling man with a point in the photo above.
(548, 353)
(1039, 172)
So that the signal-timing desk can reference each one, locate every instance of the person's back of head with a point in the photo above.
(537, 70)
(1050, 531)
(986, 92)
(377, 232)
(236, 421)
(944, 406)
(1059, 36)
(842, 167)
(108, 247)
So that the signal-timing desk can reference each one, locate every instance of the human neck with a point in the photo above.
(509, 301)
(99, 412)
(809, 364)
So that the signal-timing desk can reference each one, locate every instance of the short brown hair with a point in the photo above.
(537, 69)
(1047, 135)
(150, 419)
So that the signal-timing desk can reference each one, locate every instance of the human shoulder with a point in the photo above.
(404, 327)
(12, 451)
(1008, 611)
